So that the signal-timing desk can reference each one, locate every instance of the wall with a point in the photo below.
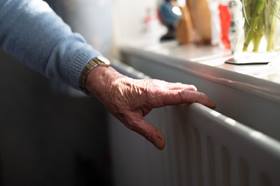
(128, 20)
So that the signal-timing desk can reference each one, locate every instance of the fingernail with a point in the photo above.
(194, 87)
(160, 143)
(213, 105)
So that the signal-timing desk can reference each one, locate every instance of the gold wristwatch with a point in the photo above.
(92, 64)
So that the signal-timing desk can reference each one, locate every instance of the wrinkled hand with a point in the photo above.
(130, 100)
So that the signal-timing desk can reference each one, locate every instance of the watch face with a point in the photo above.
(104, 60)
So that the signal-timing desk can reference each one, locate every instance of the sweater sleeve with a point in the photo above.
(37, 37)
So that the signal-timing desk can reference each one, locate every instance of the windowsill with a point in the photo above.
(208, 62)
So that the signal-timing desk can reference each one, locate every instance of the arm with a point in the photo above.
(36, 36)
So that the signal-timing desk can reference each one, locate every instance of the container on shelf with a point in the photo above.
(254, 29)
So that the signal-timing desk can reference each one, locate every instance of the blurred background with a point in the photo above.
(51, 134)
(54, 135)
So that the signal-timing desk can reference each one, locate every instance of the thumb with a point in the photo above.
(147, 130)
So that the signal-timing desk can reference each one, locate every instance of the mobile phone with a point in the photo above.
(244, 61)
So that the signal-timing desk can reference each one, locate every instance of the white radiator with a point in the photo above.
(204, 148)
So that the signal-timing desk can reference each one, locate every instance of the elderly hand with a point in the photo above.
(130, 100)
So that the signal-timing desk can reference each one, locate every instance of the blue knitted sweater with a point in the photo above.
(37, 37)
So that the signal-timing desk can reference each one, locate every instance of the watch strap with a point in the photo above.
(92, 64)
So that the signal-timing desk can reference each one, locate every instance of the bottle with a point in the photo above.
(236, 34)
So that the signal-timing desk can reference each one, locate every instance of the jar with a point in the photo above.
(255, 28)
(260, 25)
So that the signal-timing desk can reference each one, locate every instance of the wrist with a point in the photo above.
(100, 80)
(91, 65)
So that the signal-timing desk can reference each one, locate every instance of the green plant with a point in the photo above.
(260, 21)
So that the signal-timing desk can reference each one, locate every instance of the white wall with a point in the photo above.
(128, 19)
(93, 18)
(107, 24)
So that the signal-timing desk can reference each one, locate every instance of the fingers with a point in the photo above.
(196, 97)
(174, 97)
(165, 93)
(181, 86)
(145, 129)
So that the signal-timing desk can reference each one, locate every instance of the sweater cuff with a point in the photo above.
(73, 71)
